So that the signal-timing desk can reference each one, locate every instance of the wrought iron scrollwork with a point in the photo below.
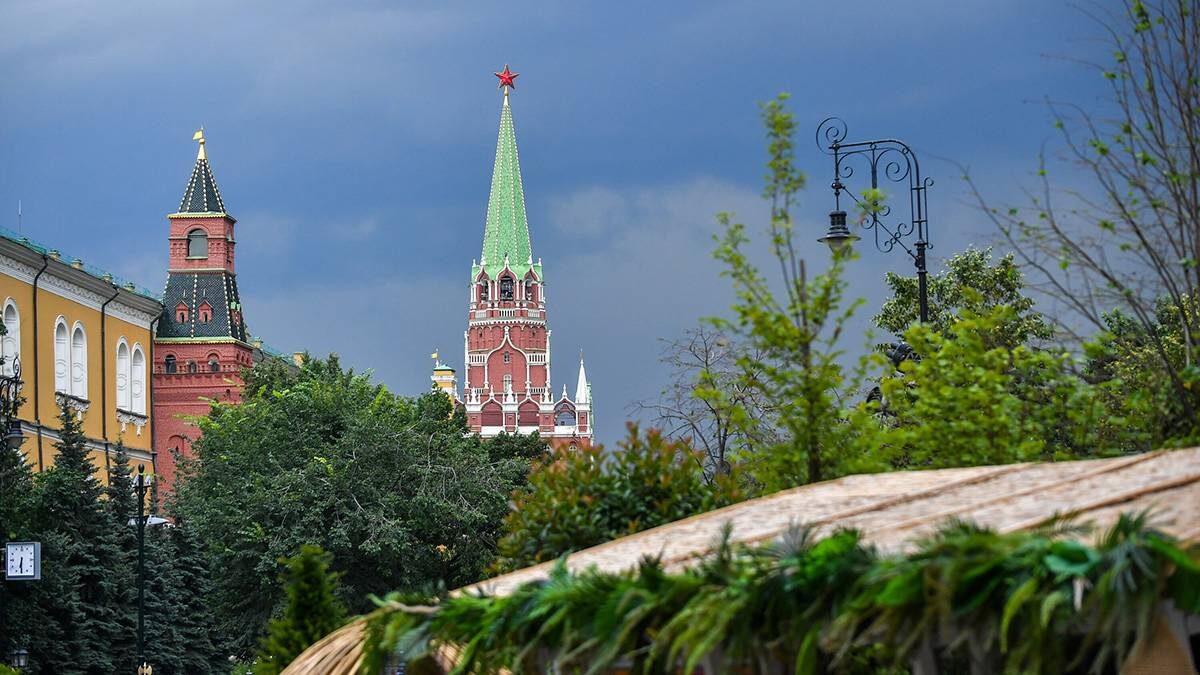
(891, 161)
(10, 389)
(887, 160)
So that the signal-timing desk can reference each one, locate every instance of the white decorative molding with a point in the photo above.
(79, 405)
(71, 291)
(60, 286)
(17, 269)
(124, 312)
(127, 417)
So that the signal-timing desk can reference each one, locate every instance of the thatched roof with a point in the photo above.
(890, 509)
(893, 509)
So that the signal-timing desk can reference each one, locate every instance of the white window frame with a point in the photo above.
(62, 356)
(137, 379)
(10, 346)
(123, 372)
(79, 364)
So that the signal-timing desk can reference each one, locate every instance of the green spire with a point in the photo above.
(507, 230)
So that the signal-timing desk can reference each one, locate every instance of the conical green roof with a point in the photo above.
(506, 235)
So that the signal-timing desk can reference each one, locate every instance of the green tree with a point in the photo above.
(312, 610)
(790, 340)
(395, 488)
(580, 498)
(968, 401)
(1128, 354)
(121, 505)
(196, 624)
(80, 536)
(971, 281)
(164, 591)
(17, 609)
(1128, 237)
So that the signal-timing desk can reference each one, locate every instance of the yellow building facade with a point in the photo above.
(81, 338)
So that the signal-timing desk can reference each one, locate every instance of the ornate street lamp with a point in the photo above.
(898, 164)
(10, 403)
(18, 658)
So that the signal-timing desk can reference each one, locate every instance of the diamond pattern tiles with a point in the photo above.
(194, 289)
(201, 194)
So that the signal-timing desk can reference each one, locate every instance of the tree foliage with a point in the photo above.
(967, 400)
(311, 611)
(790, 340)
(1041, 601)
(1129, 238)
(79, 538)
(81, 616)
(970, 282)
(706, 359)
(580, 498)
(395, 488)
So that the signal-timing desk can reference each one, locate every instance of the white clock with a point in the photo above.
(23, 560)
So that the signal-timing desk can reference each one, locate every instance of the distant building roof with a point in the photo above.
(78, 263)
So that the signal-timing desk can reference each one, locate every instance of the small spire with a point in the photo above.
(582, 389)
(201, 194)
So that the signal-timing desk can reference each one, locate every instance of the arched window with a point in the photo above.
(214, 364)
(11, 344)
(170, 365)
(507, 383)
(492, 415)
(530, 291)
(191, 366)
(62, 357)
(506, 288)
(204, 312)
(565, 418)
(123, 392)
(181, 313)
(527, 415)
(197, 244)
(137, 380)
(483, 292)
(79, 366)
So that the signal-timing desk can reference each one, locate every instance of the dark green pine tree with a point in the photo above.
(164, 644)
(197, 625)
(16, 508)
(83, 544)
(121, 505)
(311, 612)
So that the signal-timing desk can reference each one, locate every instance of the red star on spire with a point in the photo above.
(507, 78)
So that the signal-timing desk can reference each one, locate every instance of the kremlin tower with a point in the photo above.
(507, 387)
(201, 343)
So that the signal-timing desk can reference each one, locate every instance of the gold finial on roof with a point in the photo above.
(199, 136)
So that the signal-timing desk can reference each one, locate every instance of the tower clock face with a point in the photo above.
(22, 560)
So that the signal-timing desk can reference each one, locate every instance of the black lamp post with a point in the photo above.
(142, 521)
(898, 164)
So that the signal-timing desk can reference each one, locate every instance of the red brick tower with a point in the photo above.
(201, 343)
(507, 342)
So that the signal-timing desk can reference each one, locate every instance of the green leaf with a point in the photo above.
(1013, 605)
